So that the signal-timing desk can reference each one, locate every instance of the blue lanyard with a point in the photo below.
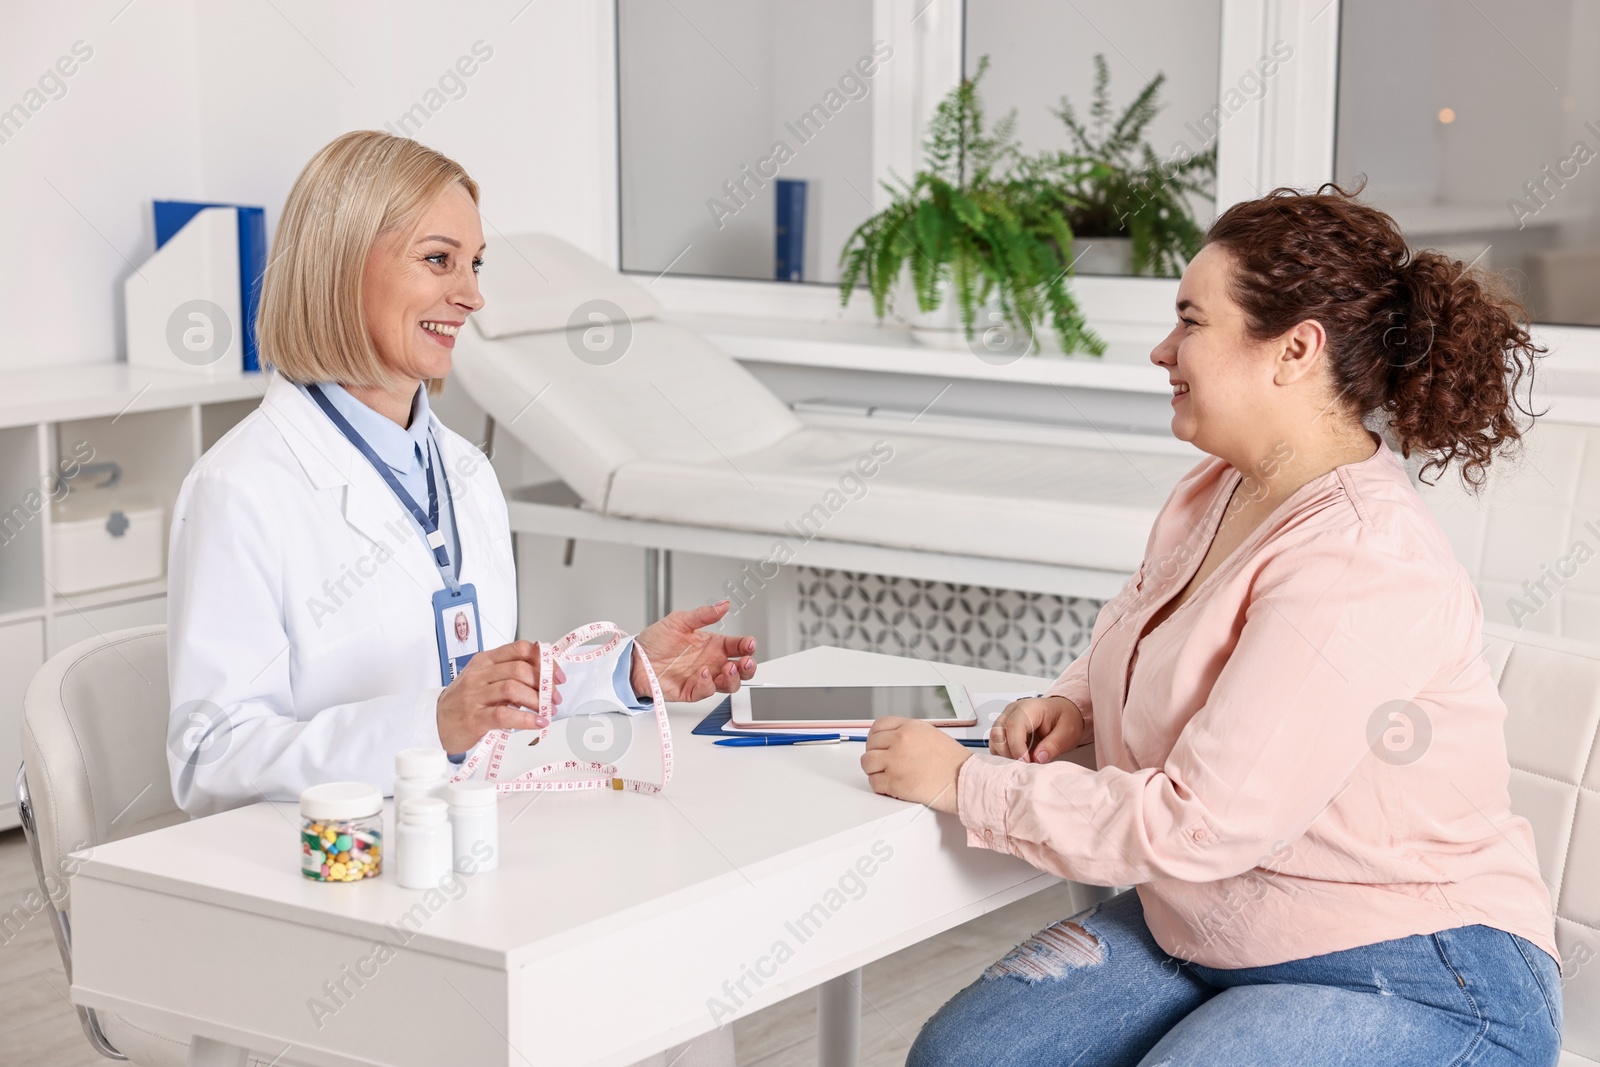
(427, 520)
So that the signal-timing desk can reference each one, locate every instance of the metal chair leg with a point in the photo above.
(59, 922)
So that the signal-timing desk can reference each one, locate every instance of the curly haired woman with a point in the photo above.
(1300, 763)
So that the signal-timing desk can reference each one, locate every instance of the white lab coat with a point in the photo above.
(301, 645)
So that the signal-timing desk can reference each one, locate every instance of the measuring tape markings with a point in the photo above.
(493, 744)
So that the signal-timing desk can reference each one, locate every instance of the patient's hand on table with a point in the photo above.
(1037, 729)
(914, 760)
(689, 663)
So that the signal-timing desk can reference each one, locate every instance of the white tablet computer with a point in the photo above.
(848, 707)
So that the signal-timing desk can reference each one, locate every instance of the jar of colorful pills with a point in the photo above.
(341, 831)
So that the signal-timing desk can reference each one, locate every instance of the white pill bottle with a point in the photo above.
(475, 825)
(424, 855)
(418, 772)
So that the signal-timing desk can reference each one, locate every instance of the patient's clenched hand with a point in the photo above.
(915, 761)
(1037, 729)
(689, 663)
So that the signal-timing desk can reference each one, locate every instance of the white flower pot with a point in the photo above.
(1102, 255)
(942, 328)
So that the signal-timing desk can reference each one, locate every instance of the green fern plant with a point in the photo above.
(979, 216)
(1119, 187)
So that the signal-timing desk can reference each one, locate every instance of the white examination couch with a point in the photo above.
(662, 441)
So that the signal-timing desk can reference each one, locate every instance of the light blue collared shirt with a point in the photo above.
(408, 451)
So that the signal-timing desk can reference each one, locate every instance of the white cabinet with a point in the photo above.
(152, 426)
(100, 540)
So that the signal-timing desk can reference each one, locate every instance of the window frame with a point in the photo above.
(1284, 138)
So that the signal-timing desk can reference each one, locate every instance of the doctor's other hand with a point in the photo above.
(913, 760)
(1037, 729)
(689, 663)
(491, 693)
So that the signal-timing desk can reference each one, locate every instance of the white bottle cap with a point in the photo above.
(472, 794)
(341, 800)
(421, 763)
(424, 811)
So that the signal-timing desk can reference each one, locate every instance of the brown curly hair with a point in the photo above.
(1436, 345)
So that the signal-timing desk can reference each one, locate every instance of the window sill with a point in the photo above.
(890, 348)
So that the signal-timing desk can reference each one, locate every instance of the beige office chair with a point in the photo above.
(1551, 686)
(1516, 538)
(94, 727)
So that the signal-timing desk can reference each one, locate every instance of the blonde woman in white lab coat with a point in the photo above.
(314, 579)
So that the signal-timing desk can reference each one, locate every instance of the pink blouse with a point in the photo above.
(1306, 756)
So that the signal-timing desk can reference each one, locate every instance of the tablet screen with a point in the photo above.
(849, 702)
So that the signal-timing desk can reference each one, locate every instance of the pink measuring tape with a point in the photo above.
(493, 745)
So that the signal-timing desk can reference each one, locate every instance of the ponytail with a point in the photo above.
(1437, 346)
(1454, 395)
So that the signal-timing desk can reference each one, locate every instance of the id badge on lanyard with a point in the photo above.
(455, 607)
(455, 620)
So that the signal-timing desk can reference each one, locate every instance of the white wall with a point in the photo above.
(228, 101)
(78, 175)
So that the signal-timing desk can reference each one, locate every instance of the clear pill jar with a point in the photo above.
(423, 837)
(474, 825)
(341, 831)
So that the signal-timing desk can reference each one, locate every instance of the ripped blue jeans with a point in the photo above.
(1097, 991)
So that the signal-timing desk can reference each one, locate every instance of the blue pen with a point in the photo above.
(780, 739)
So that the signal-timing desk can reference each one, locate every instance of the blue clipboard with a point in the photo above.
(712, 724)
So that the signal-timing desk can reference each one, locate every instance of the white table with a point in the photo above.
(615, 926)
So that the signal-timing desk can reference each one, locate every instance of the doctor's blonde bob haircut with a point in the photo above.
(359, 187)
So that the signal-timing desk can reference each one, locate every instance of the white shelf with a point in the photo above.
(1569, 378)
(22, 615)
(154, 424)
(116, 594)
(96, 390)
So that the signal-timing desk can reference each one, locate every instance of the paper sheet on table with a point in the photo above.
(987, 705)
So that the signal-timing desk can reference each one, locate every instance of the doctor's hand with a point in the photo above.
(491, 692)
(691, 664)
(1037, 729)
(913, 760)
